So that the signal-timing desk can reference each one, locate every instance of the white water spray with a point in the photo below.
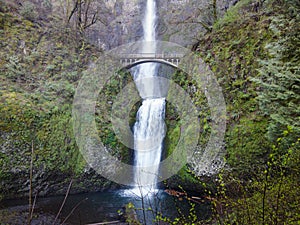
(149, 129)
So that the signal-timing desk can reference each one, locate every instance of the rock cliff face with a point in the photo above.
(184, 21)
(122, 24)
(39, 73)
(179, 21)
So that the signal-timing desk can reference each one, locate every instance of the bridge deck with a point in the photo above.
(151, 56)
(132, 59)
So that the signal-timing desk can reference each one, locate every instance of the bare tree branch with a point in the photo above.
(73, 11)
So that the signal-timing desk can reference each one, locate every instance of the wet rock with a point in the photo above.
(179, 21)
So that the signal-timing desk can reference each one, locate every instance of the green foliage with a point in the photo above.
(279, 96)
(262, 189)
(247, 148)
(14, 68)
(200, 102)
(131, 214)
(232, 51)
(270, 198)
(56, 145)
(51, 134)
(234, 15)
(104, 111)
(188, 178)
(29, 11)
(40, 65)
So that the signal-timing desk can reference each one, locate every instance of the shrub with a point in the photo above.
(29, 11)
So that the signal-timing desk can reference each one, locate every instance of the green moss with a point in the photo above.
(247, 147)
(187, 177)
(103, 118)
(39, 73)
(234, 15)
(50, 134)
(173, 129)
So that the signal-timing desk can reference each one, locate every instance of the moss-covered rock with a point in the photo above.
(40, 67)
(232, 50)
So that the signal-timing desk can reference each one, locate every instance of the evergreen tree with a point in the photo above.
(280, 75)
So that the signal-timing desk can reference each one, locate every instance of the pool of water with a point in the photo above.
(97, 207)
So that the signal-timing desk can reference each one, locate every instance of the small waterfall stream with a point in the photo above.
(149, 129)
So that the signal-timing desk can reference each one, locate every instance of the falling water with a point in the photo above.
(149, 129)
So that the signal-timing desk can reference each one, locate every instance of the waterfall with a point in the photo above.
(149, 129)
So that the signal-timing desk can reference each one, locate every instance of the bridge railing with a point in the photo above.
(151, 56)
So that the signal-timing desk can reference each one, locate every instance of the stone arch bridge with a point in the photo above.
(130, 60)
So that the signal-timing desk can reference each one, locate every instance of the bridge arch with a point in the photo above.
(141, 61)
